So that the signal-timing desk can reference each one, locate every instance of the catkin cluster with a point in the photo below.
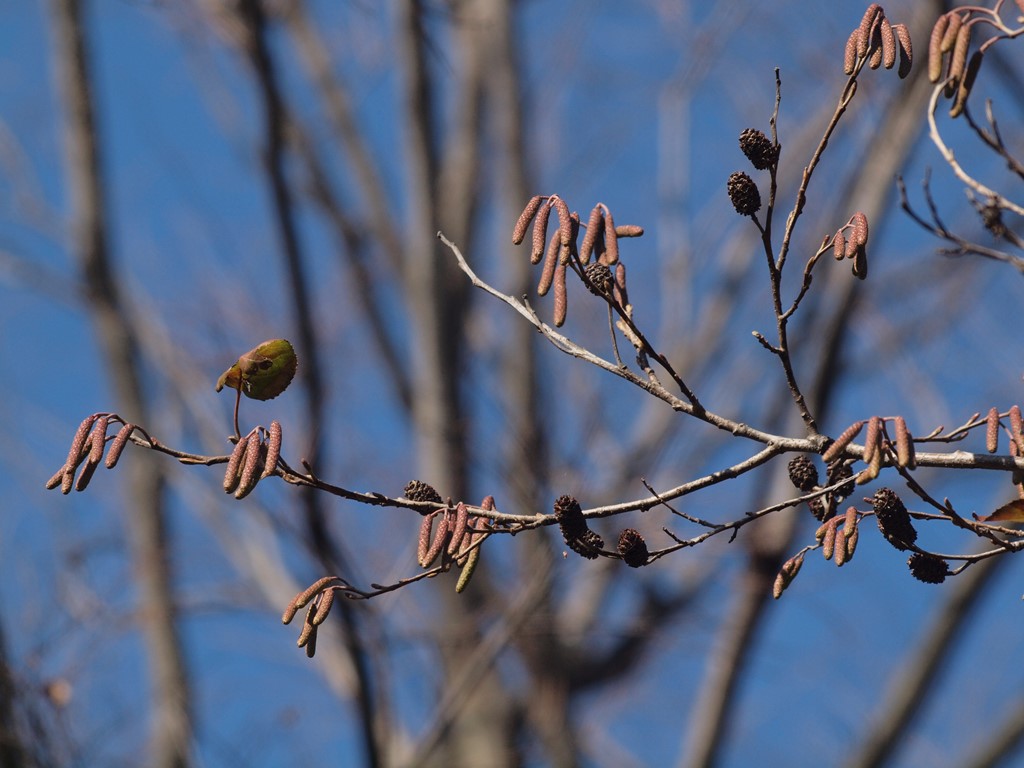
(87, 447)
(457, 537)
(948, 46)
(605, 276)
(850, 242)
(878, 43)
(254, 458)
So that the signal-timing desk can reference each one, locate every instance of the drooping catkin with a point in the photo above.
(117, 445)
(468, 569)
(437, 544)
(828, 543)
(850, 53)
(611, 240)
(561, 300)
(594, 224)
(302, 599)
(888, 44)
(54, 481)
(251, 466)
(231, 472)
(860, 229)
(839, 245)
(935, 48)
(839, 548)
(423, 543)
(519, 231)
(273, 450)
(460, 526)
(836, 449)
(958, 61)
(786, 574)
(966, 84)
(564, 221)
(323, 606)
(906, 49)
(950, 33)
(865, 29)
(992, 430)
(876, 59)
(540, 232)
(904, 444)
(547, 273)
(98, 440)
(1015, 428)
(77, 452)
(860, 263)
(619, 293)
(872, 438)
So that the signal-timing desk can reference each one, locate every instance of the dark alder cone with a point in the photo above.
(893, 518)
(743, 194)
(578, 537)
(588, 545)
(417, 490)
(817, 507)
(600, 278)
(758, 148)
(927, 568)
(839, 470)
(633, 548)
(570, 517)
(803, 473)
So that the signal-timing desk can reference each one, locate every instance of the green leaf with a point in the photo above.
(262, 373)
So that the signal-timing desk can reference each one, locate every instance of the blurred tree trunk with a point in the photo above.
(441, 188)
(145, 498)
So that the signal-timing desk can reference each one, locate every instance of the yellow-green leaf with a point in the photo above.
(262, 373)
